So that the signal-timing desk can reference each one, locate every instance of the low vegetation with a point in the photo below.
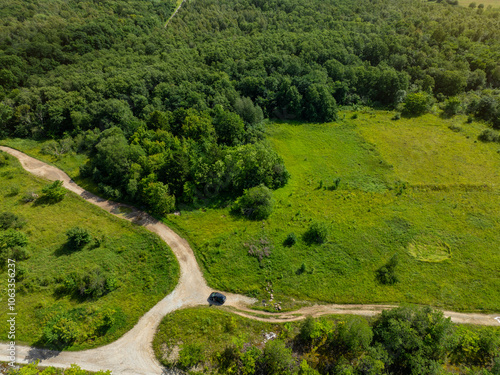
(405, 340)
(83, 277)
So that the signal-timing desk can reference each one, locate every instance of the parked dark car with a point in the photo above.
(217, 299)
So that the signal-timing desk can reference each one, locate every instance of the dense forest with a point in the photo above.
(175, 114)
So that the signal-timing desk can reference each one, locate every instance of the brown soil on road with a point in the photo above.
(132, 354)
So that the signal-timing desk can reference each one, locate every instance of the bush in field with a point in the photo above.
(190, 355)
(255, 203)
(61, 332)
(316, 233)
(416, 339)
(277, 358)
(78, 237)
(386, 274)
(290, 240)
(10, 220)
(54, 192)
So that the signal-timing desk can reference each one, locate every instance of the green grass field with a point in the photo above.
(145, 269)
(411, 187)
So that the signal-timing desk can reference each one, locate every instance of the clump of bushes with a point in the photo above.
(290, 240)
(417, 104)
(53, 192)
(316, 233)
(256, 203)
(387, 274)
(92, 284)
(78, 237)
(489, 135)
(9, 240)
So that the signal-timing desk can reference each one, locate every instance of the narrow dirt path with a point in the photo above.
(132, 354)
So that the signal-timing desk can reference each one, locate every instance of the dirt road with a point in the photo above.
(132, 354)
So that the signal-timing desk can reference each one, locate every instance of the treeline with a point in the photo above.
(202, 86)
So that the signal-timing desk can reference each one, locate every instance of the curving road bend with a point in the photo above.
(132, 354)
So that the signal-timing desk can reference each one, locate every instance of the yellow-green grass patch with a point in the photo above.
(424, 151)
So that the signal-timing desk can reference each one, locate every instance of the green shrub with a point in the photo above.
(12, 237)
(54, 192)
(95, 284)
(19, 253)
(290, 240)
(386, 274)
(416, 339)
(10, 220)
(255, 203)
(78, 237)
(316, 233)
(489, 135)
(452, 106)
(4, 159)
(476, 347)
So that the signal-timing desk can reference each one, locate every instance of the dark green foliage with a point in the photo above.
(157, 196)
(316, 233)
(387, 273)
(19, 253)
(78, 237)
(277, 359)
(417, 104)
(53, 192)
(452, 106)
(12, 243)
(10, 220)
(89, 284)
(489, 135)
(353, 337)
(256, 203)
(290, 240)
(11, 238)
(476, 347)
(4, 159)
(416, 339)
(61, 332)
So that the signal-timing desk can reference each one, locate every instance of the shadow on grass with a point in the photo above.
(45, 201)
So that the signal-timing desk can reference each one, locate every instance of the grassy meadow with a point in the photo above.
(411, 187)
(142, 267)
